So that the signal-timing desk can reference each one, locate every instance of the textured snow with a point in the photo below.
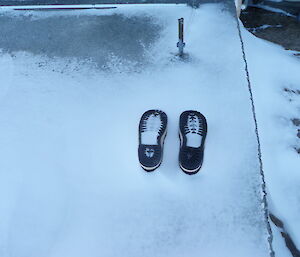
(70, 181)
(272, 70)
(152, 126)
(149, 138)
(193, 139)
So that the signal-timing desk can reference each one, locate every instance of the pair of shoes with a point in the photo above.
(192, 134)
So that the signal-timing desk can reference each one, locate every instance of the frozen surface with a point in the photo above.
(275, 78)
(70, 181)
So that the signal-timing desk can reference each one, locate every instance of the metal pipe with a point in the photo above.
(180, 43)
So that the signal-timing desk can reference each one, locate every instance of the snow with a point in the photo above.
(266, 26)
(152, 127)
(149, 138)
(272, 70)
(279, 243)
(70, 181)
(192, 138)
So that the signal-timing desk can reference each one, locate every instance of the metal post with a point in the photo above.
(180, 43)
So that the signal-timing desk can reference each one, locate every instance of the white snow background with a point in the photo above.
(272, 71)
(70, 182)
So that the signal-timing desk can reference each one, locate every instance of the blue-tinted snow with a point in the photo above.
(272, 71)
(70, 182)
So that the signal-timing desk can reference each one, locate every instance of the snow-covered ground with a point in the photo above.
(275, 77)
(70, 181)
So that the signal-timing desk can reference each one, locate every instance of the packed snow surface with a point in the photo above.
(192, 138)
(275, 79)
(152, 126)
(72, 92)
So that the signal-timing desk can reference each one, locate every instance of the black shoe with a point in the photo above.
(192, 133)
(152, 132)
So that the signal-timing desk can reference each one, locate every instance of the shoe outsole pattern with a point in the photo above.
(194, 171)
(162, 142)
